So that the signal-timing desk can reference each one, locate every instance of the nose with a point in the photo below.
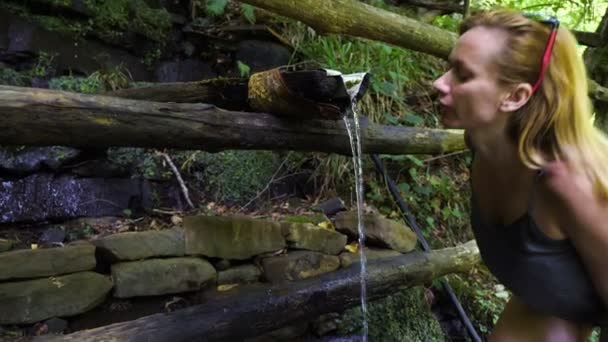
(442, 84)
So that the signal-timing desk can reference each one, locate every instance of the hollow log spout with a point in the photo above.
(42, 117)
(265, 309)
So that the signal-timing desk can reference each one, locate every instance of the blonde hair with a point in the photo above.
(556, 123)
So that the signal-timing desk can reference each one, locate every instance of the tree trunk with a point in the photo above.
(354, 18)
(595, 60)
(260, 310)
(43, 117)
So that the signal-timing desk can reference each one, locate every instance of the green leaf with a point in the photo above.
(414, 160)
(244, 69)
(248, 12)
(404, 187)
(391, 119)
(413, 119)
(216, 7)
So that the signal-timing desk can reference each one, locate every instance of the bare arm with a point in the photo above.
(583, 217)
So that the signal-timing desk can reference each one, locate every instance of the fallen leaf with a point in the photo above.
(352, 247)
(176, 220)
(327, 225)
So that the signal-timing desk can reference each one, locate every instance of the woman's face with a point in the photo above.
(469, 92)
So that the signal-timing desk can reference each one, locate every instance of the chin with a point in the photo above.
(451, 122)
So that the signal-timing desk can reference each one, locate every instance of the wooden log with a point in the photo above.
(42, 117)
(357, 19)
(265, 309)
(227, 93)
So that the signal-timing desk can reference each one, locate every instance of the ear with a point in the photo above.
(516, 98)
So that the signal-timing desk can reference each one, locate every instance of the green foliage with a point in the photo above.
(215, 7)
(248, 12)
(244, 69)
(482, 296)
(238, 176)
(403, 316)
(13, 78)
(76, 84)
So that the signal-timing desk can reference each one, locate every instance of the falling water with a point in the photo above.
(355, 145)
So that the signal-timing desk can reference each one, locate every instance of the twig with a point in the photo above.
(267, 185)
(178, 176)
(444, 156)
(167, 212)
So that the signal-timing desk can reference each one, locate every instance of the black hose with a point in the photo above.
(425, 246)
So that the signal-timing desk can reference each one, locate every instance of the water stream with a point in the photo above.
(354, 134)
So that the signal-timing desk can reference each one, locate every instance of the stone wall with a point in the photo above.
(205, 256)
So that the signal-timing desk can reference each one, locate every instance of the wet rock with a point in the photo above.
(32, 263)
(184, 71)
(298, 265)
(27, 160)
(52, 236)
(314, 238)
(378, 230)
(262, 55)
(5, 245)
(242, 274)
(31, 301)
(45, 197)
(50, 326)
(231, 237)
(142, 245)
(26, 40)
(347, 258)
(161, 276)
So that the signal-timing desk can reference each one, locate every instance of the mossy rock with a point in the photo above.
(403, 316)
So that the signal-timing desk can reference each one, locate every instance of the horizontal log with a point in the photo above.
(42, 117)
(265, 309)
(357, 19)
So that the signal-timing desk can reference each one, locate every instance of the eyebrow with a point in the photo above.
(454, 62)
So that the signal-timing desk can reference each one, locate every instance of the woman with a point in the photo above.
(539, 175)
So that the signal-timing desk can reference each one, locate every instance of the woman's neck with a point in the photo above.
(494, 149)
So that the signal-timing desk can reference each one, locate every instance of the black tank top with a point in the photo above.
(545, 273)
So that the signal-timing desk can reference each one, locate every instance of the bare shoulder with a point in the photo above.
(574, 201)
(567, 183)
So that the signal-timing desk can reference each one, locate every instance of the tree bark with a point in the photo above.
(354, 18)
(358, 19)
(43, 117)
(227, 93)
(265, 309)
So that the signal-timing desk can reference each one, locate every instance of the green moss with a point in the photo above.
(403, 316)
(152, 23)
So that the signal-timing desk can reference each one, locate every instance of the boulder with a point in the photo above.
(161, 276)
(347, 258)
(26, 160)
(43, 196)
(231, 237)
(378, 231)
(31, 301)
(142, 245)
(298, 265)
(36, 263)
(314, 238)
(242, 274)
